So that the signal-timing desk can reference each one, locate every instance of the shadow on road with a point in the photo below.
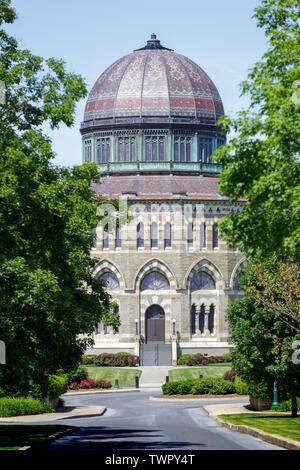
(102, 438)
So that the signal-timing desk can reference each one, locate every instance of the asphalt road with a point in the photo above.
(133, 422)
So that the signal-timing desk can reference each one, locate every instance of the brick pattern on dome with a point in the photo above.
(155, 82)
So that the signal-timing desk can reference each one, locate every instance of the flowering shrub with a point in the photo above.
(90, 383)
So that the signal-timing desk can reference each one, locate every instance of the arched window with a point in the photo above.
(237, 278)
(118, 239)
(94, 238)
(140, 235)
(103, 150)
(168, 235)
(201, 318)
(190, 231)
(202, 235)
(154, 235)
(202, 280)
(111, 281)
(154, 148)
(211, 318)
(205, 149)
(193, 319)
(155, 281)
(215, 235)
(105, 239)
(182, 149)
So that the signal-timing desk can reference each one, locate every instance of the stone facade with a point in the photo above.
(151, 125)
(179, 263)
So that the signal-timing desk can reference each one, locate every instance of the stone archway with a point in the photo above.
(155, 325)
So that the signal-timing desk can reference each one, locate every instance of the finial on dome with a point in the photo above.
(153, 43)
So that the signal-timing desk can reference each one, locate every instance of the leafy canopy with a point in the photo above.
(261, 161)
(48, 296)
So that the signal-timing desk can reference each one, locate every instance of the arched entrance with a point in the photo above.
(155, 325)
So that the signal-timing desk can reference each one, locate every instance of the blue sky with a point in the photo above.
(89, 35)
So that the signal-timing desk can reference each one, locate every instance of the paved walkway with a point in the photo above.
(66, 412)
(153, 377)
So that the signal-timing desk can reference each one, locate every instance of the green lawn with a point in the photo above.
(215, 370)
(126, 376)
(12, 437)
(283, 425)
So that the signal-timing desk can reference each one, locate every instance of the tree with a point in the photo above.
(48, 296)
(275, 286)
(261, 161)
(263, 338)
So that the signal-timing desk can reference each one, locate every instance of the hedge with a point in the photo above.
(200, 359)
(121, 359)
(204, 386)
(23, 406)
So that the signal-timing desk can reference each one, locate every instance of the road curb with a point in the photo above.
(284, 442)
(58, 416)
(47, 440)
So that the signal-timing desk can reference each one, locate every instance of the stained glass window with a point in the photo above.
(111, 281)
(155, 281)
(201, 280)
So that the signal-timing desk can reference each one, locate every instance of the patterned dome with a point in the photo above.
(154, 82)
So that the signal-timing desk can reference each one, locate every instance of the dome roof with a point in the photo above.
(154, 82)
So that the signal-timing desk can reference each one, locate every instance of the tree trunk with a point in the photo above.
(294, 404)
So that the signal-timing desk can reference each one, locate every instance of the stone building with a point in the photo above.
(150, 123)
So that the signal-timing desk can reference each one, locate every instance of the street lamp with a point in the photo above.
(136, 327)
(275, 396)
(174, 323)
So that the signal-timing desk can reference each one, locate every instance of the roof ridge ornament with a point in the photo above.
(153, 43)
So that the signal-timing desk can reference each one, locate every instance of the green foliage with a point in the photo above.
(204, 386)
(240, 386)
(57, 385)
(88, 360)
(81, 373)
(260, 389)
(182, 359)
(50, 302)
(200, 359)
(230, 375)
(287, 405)
(112, 360)
(263, 346)
(23, 406)
(261, 161)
